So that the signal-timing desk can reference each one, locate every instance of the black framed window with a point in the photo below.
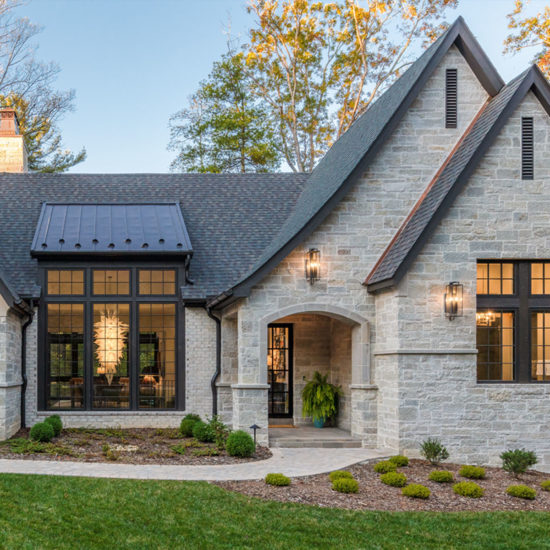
(109, 347)
(513, 321)
(279, 368)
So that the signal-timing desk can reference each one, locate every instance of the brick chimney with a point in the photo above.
(13, 153)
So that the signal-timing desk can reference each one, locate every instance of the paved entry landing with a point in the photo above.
(309, 436)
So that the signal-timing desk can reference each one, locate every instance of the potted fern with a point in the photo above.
(320, 399)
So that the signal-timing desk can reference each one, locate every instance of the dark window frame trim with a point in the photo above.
(130, 282)
(88, 299)
(524, 302)
(68, 268)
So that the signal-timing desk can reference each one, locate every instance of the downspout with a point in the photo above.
(24, 361)
(218, 360)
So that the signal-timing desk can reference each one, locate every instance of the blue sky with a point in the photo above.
(133, 63)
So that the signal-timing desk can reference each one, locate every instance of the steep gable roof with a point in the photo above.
(348, 158)
(448, 183)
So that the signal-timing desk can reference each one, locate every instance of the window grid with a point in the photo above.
(495, 345)
(111, 282)
(540, 345)
(65, 282)
(157, 282)
(495, 278)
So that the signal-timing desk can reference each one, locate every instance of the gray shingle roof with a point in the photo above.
(100, 228)
(447, 184)
(230, 218)
(347, 159)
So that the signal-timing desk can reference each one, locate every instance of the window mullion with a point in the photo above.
(523, 351)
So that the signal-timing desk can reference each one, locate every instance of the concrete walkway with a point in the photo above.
(291, 462)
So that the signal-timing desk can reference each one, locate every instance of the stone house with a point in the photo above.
(410, 266)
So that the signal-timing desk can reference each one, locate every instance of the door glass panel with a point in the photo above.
(65, 349)
(111, 381)
(157, 356)
(279, 357)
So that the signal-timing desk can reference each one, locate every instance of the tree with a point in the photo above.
(26, 84)
(319, 65)
(528, 32)
(225, 128)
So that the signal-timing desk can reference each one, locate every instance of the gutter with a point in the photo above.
(218, 359)
(24, 361)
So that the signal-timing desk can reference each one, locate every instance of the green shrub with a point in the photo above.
(433, 451)
(203, 432)
(472, 472)
(240, 443)
(209, 451)
(339, 474)
(345, 485)
(517, 461)
(194, 417)
(186, 427)
(384, 466)
(414, 490)
(279, 480)
(441, 476)
(108, 453)
(522, 491)
(221, 431)
(399, 460)
(42, 432)
(395, 479)
(468, 489)
(545, 485)
(55, 422)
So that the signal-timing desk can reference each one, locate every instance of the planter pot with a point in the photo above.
(319, 422)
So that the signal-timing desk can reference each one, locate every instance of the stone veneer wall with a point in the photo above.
(497, 215)
(355, 234)
(200, 364)
(10, 371)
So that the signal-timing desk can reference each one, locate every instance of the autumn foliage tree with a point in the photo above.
(530, 31)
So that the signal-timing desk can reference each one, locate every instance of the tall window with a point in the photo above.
(111, 342)
(513, 321)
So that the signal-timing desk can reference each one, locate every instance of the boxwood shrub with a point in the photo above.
(240, 443)
(472, 472)
(339, 474)
(55, 422)
(522, 491)
(203, 432)
(441, 476)
(414, 490)
(399, 460)
(279, 480)
(345, 485)
(545, 485)
(384, 466)
(468, 489)
(42, 431)
(395, 479)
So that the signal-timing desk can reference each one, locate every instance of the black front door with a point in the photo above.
(279, 370)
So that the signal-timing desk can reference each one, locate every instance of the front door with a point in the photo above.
(279, 370)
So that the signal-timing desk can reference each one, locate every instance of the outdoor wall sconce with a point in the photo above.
(453, 300)
(313, 265)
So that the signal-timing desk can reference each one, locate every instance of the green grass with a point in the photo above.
(41, 512)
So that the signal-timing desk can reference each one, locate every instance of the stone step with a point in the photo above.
(323, 443)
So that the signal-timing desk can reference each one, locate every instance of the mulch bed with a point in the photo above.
(374, 495)
(135, 446)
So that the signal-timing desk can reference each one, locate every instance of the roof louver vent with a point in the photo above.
(527, 151)
(450, 98)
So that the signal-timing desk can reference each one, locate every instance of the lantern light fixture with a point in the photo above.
(313, 265)
(453, 300)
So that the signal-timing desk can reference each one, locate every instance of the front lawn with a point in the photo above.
(67, 513)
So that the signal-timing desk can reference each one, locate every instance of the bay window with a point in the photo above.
(110, 339)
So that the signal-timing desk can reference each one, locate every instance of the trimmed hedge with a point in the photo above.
(43, 432)
(240, 443)
(468, 489)
(55, 422)
(345, 485)
(395, 479)
(441, 476)
(384, 466)
(415, 490)
(472, 472)
(339, 474)
(522, 491)
(203, 432)
(399, 460)
(279, 480)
